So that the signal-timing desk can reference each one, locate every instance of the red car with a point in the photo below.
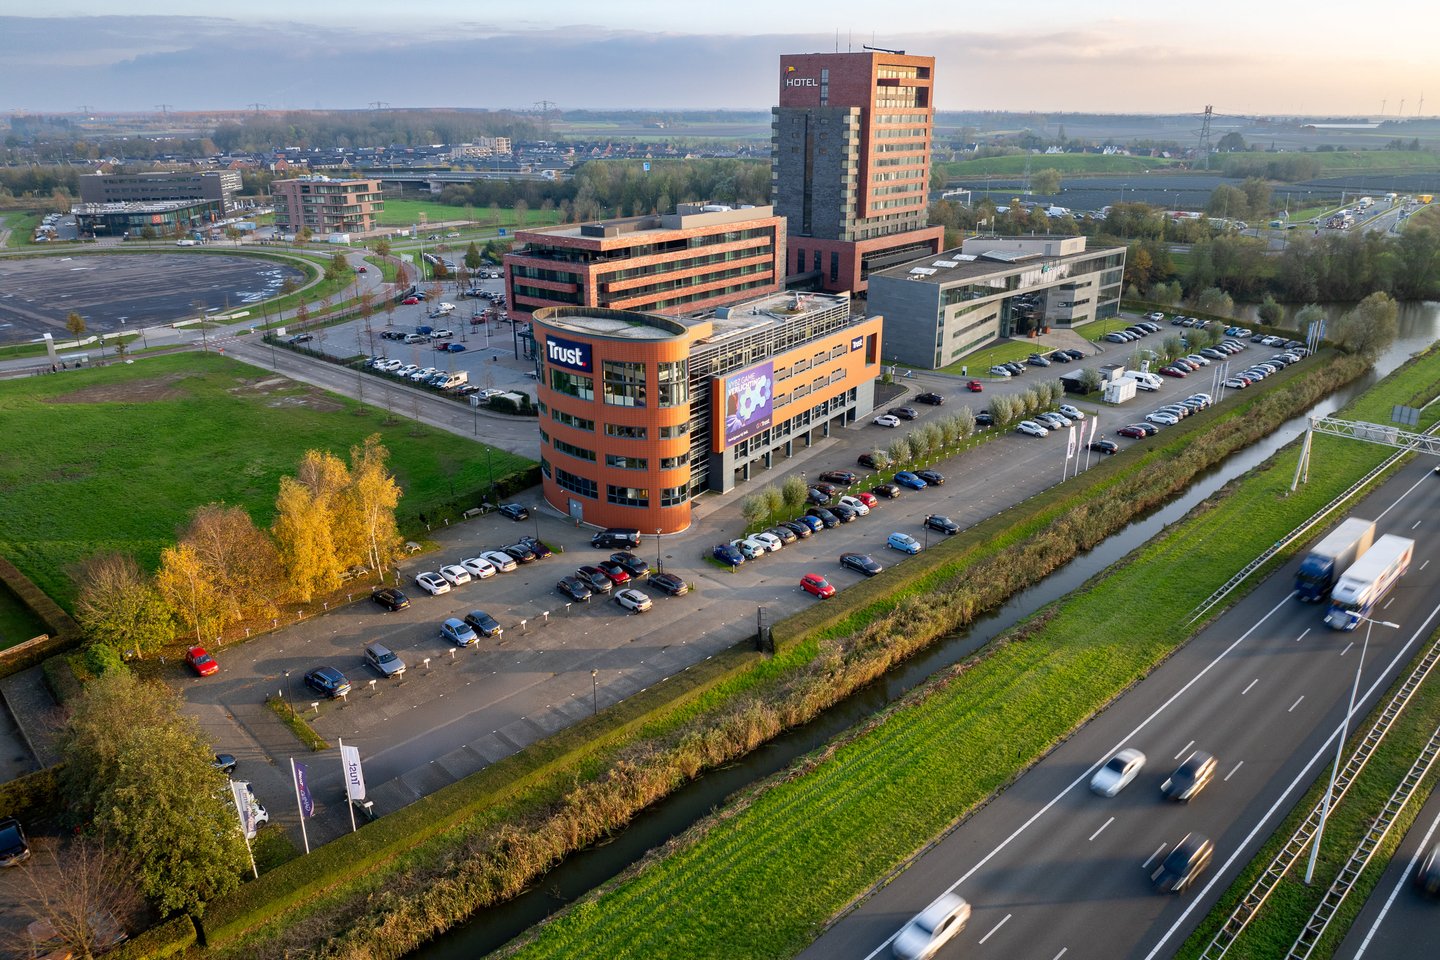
(815, 584)
(1174, 372)
(410, 301)
(361, 270)
(617, 574)
(975, 386)
(867, 498)
(1132, 431)
(201, 662)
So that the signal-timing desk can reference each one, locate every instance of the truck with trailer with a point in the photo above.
(1367, 581)
(1331, 557)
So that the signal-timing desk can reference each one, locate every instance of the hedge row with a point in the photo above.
(162, 940)
(64, 631)
(32, 796)
(61, 679)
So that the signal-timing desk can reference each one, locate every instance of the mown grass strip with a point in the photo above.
(762, 878)
(297, 724)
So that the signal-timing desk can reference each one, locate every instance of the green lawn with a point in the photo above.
(17, 623)
(1069, 163)
(22, 227)
(406, 213)
(1353, 160)
(114, 458)
(762, 877)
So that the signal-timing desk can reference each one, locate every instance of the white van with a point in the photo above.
(1145, 381)
(442, 309)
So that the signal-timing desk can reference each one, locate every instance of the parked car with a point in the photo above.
(328, 682)
(1059, 356)
(942, 524)
(816, 585)
(975, 386)
(1071, 412)
(514, 511)
(1117, 772)
(887, 490)
(500, 561)
(633, 600)
(826, 518)
(861, 563)
(479, 568)
(595, 578)
(1184, 864)
(931, 929)
(1173, 371)
(784, 534)
(201, 662)
(1190, 777)
(933, 399)
(1035, 360)
(904, 413)
(871, 462)
(907, 479)
(843, 513)
(1031, 429)
(842, 477)
(458, 632)
(854, 503)
(432, 583)
(537, 547)
(669, 583)
(519, 553)
(631, 564)
(726, 554)
(814, 523)
(1106, 447)
(999, 371)
(772, 543)
(383, 660)
(749, 549)
(14, 848)
(455, 575)
(224, 762)
(800, 528)
(984, 419)
(817, 496)
(867, 498)
(932, 477)
(574, 588)
(886, 421)
(903, 542)
(390, 598)
(484, 624)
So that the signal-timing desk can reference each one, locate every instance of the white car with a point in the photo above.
(999, 371)
(500, 561)
(854, 503)
(1052, 421)
(1118, 771)
(749, 548)
(479, 568)
(423, 373)
(772, 542)
(1197, 358)
(1070, 412)
(886, 420)
(931, 929)
(1235, 383)
(633, 600)
(1031, 429)
(432, 583)
(455, 574)
(1162, 418)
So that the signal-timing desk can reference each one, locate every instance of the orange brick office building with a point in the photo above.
(639, 412)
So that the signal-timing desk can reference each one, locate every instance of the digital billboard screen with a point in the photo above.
(748, 402)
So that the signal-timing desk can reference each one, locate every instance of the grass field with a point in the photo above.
(1069, 163)
(22, 227)
(1355, 160)
(114, 458)
(761, 877)
(17, 623)
(406, 213)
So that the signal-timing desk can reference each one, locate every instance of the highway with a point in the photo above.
(1054, 871)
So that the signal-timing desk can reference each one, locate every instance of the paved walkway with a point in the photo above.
(30, 726)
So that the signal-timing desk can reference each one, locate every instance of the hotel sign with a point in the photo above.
(801, 82)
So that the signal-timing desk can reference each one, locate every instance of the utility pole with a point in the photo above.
(378, 105)
(84, 108)
(164, 108)
(257, 107)
(545, 106)
(1204, 146)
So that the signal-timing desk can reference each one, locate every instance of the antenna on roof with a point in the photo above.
(898, 53)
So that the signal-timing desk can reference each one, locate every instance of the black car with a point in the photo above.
(1427, 872)
(1015, 368)
(1105, 446)
(817, 496)
(1060, 356)
(943, 524)
(887, 490)
(225, 763)
(1075, 354)
(515, 511)
(829, 489)
(1035, 360)
(1186, 862)
(861, 563)
(594, 578)
(824, 516)
(930, 477)
(574, 588)
(520, 552)
(301, 338)
(14, 848)
(842, 477)
(797, 527)
(537, 547)
(390, 598)
(904, 413)
(934, 399)
(1190, 777)
(844, 513)
(783, 534)
(329, 681)
(631, 564)
(669, 583)
(984, 419)
(483, 624)
(872, 462)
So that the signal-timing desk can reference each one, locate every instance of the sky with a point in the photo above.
(1244, 57)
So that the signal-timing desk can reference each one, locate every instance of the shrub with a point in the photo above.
(33, 795)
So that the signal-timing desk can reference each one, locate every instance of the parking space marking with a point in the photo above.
(1295, 704)
(1234, 771)
(1347, 648)
(1303, 635)
(996, 927)
(1063, 951)
(1247, 688)
(1184, 748)
(1151, 859)
(1102, 828)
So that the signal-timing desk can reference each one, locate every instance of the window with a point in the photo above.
(670, 463)
(574, 451)
(816, 261)
(834, 267)
(627, 496)
(624, 383)
(545, 466)
(678, 430)
(570, 420)
(800, 260)
(626, 463)
(574, 384)
(577, 484)
(674, 381)
(673, 496)
(624, 432)
(544, 437)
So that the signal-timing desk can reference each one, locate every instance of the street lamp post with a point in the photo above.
(657, 548)
(1340, 746)
(594, 692)
(535, 515)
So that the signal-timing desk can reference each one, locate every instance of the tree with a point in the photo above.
(752, 508)
(793, 491)
(1046, 182)
(185, 585)
(521, 209)
(1228, 201)
(1216, 302)
(1232, 142)
(305, 235)
(1090, 379)
(138, 773)
(381, 246)
(85, 897)
(376, 495)
(472, 258)
(1308, 315)
(900, 450)
(119, 604)
(75, 324)
(302, 539)
(1370, 327)
(1271, 312)
(238, 556)
(1138, 266)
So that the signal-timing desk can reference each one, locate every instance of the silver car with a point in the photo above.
(383, 660)
(931, 929)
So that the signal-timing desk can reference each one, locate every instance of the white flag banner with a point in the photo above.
(1094, 425)
(354, 776)
(240, 792)
(1070, 447)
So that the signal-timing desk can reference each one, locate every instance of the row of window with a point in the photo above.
(667, 432)
(620, 496)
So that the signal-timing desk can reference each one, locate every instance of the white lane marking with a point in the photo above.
(1302, 636)
(1416, 524)
(1102, 828)
(1245, 691)
(996, 927)
(1063, 951)
(1184, 748)
(1321, 752)
(1295, 704)
(1151, 859)
(1425, 564)
(1235, 771)
(1399, 883)
(1347, 648)
(1388, 602)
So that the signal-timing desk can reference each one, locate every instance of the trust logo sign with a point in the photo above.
(567, 353)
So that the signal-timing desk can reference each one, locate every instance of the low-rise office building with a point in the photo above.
(640, 412)
(163, 219)
(215, 185)
(700, 256)
(939, 309)
(326, 205)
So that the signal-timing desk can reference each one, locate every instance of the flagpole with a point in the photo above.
(295, 782)
(244, 835)
(1094, 426)
(345, 778)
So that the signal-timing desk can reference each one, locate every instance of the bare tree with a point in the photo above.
(80, 901)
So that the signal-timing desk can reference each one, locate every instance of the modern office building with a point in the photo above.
(216, 185)
(165, 218)
(702, 255)
(326, 206)
(938, 309)
(639, 412)
(850, 163)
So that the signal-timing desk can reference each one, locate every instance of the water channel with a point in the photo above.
(489, 929)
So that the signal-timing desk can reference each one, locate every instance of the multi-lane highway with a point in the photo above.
(1398, 923)
(1053, 870)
